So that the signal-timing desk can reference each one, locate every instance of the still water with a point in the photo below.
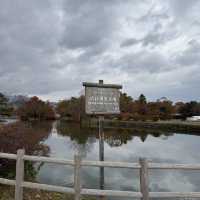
(63, 140)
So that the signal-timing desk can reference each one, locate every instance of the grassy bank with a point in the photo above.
(7, 193)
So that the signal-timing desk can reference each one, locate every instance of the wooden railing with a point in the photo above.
(143, 165)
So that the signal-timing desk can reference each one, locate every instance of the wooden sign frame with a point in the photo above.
(102, 99)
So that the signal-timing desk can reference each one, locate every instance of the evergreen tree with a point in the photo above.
(142, 99)
(5, 108)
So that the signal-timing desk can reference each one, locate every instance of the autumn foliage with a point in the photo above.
(140, 109)
(133, 109)
(72, 109)
(36, 109)
(26, 136)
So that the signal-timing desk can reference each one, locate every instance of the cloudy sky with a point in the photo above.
(48, 48)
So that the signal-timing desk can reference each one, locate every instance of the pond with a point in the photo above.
(63, 140)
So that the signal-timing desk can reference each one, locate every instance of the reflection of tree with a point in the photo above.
(74, 131)
(115, 139)
(118, 137)
(143, 137)
(27, 136)
(82, 138)
(83, 149)
(143, 133)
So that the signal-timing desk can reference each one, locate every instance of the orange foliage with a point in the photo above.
(36, 109)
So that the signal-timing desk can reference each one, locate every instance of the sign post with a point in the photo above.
(102, 99)
(101, 151)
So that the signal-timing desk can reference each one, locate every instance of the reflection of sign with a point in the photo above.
(102, 98)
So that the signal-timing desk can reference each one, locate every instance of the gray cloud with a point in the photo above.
(129, 42)
(150, 39)
(49, 47)
(87, 24)
(191, 56)
(182, 7)
(144, 61)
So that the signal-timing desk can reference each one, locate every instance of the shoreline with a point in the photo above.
(175, 125)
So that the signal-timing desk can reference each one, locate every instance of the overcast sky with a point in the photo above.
(49, 47)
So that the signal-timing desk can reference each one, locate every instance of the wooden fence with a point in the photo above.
(143, 165)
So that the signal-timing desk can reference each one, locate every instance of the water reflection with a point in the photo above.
(63, 140)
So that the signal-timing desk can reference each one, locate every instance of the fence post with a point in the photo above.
(19, 175)
(77, 177)
(144, 178)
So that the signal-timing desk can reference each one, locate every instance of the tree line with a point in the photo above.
(31, 109)
(139, 109)
(162, 109)
(74, 109)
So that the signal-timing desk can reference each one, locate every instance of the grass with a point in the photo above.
(7, 193)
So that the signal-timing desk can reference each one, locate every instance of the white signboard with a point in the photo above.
(102, 99)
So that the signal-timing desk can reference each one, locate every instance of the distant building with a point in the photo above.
(163, 99)
(194, 118)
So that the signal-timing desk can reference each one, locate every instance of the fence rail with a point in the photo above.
(143, 166)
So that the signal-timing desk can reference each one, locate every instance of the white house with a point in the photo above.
(194, 118)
